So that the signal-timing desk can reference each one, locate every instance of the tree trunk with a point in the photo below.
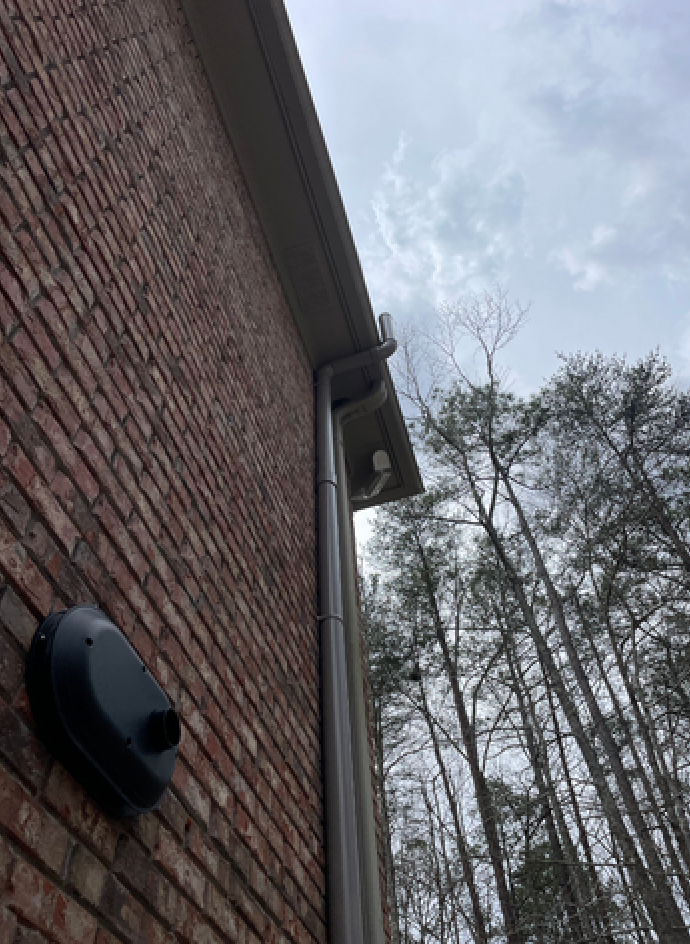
(610, 808)
(485, 803)
(385, 824)
(675, 811)
(596, 889)
(637, 761)
(649, 880)
(565, 871)
(478, 927)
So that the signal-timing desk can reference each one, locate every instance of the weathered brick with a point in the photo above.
(206, 856)
(31, 826)
(147, 448)
(105, 937)
(38, 902)
(80, 475)
(43, 549)
(238, 854)
(223, 913)
(20, 747)
(71, 803)
(8, 926)
(196, 930)
(191, 793)
(155, 933)
(119, 907)
(139, 872)
(23, 575)
(11, 668)
(41, 498)
(14, 505)
(87, 875)
(17, 618)
(7, 860)
(174, 815)
(36, 446)
(5, 437)
(118, 533)
(132, 864)
(146, 829)
(27, 935)
(175, 862)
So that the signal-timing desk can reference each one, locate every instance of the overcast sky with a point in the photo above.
(540, 144)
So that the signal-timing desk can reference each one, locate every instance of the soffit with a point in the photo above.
(252, 63)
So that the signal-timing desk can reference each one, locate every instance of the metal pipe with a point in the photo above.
(372, 915)
(342, 857)
(374, 355)
(345, 921)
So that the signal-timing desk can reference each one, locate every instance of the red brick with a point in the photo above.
(105, 513)
(205, 854)
(14, 506)
(80, 475)
(145, 829)
(121, 909)
(139, 873)
(224, 914)
(11, 668)
(11, 216)
(196, 930)
(88, 448)
(19, 745)
(191, 793)
(19, 620)
(23, 47)
(71, 803)
(43, 549)
(8, 319)
(11, 368)
(30, 826)
(174, 861)
(23, 575)
(41, 340)
(105, 937)
(39, 495)
(8, 926)
(7, 860)
(20, 704)
(41, 904)
(155, 933)
(79, 385)
(154, 280)
(87, 876)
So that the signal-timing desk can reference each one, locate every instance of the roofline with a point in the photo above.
(254, 68)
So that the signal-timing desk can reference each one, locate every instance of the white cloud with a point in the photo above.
(546, 145)
(587, 274)
(439, 229)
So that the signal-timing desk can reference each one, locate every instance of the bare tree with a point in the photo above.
(542, 604)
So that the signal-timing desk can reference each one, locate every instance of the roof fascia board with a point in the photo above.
(254, 69)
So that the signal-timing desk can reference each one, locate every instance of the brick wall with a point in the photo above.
(156, 444)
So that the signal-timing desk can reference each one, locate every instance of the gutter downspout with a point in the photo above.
(364, 798)
(343, 879)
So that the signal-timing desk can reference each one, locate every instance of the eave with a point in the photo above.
(252, 63)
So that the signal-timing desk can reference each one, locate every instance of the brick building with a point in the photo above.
(175, 264)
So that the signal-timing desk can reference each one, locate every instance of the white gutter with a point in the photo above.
(345, 911)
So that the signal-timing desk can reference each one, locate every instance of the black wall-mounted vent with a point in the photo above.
(100, 712)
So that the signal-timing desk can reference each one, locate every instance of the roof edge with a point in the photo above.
(251, 59)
